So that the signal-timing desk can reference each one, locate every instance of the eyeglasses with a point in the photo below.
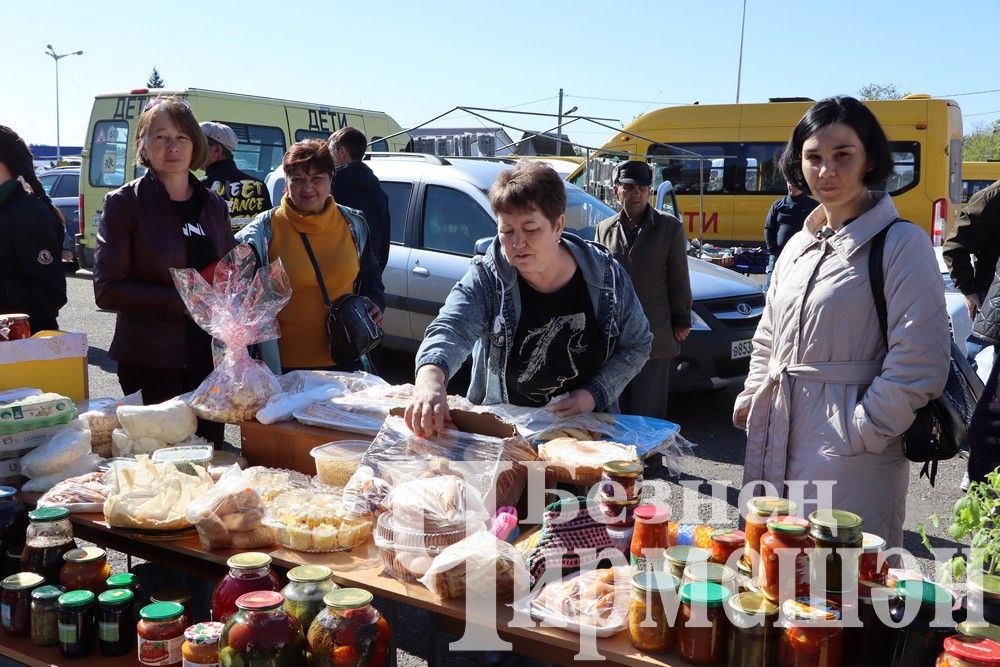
(153, 101)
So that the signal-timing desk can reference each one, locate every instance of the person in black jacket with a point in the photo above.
(984, 428)
(357, 186)
(783, 221)
(245, 195)
(31, 237)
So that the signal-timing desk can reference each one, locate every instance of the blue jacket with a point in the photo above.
(369, 282)
(482, 311)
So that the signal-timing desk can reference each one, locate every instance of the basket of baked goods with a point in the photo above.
(316, 521)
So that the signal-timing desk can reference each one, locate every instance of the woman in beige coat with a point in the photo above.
(824, 398)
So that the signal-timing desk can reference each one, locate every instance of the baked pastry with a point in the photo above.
(596, 597)
(581, 461)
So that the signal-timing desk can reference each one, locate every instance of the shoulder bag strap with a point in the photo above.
(319, 276)
(876, 278)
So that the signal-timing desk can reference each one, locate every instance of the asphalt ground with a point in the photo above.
(705, 420)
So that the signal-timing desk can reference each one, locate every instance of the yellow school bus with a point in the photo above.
(726, 156)
(978, 175)
(265, 127)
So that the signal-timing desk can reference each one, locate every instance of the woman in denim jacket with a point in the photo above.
(549, 319)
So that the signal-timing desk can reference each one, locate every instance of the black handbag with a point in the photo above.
(350, 330)
(939, 428)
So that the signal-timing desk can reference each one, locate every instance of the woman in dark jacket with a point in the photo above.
(31, 236)
(984, 429)
(166, 219)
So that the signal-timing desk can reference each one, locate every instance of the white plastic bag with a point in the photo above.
(100, 415)
(65, 448)
(83, 465)
(171, 421)
(230, 514)
(470, 566)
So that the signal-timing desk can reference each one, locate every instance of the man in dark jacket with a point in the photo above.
(976, 234)
(357, 186)
(984, 428)
(783, 221)
(245, 195)
(650, 245)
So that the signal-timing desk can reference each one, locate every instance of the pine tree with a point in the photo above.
(155, 81)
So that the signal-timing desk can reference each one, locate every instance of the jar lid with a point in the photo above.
(44, 514)
(250, 560)
(925, 591)
(974, 649)
(178, 595)
(76, 599)
(872, 543)
(770, 505)
(618, 502)
(704, 592)
(752, 603)
(348, 598)
(46, 593)
(652, 513)
(809, 609)
(744, 568)
(204, 633)
(685, 553)
(310, 573)
(116, 596)
(709, 572)
(6, 492)
(161, 611)
(788, 525)
(21, 580)
(260, 600)
(655, 581)
(836, 522)
(987, 584)
(729, 536)
(14, 316)
(83, 555)
(121, 580)
(623, 468)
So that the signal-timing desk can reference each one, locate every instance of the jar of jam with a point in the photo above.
(649, 538)
(49, 536)
(201, 644)
(115, 621)
(349, 631)
(248, 572)
(753, 638)
(621, 480)
(307, 586)
(961, 651)
(922, 637)
(45, 615)
(261, 632)
(77, 633)
(649, 623)
(702, 626)
(85, 569)
(869, 642)
(13, 526)
(759, 510)
(983, 599)
(813, 636)
(723, 575)
(677, 558)
(14, 326)
(161, 633)
(872, 547)
(726, 542)
(15, 602)
(835, 530)
(789, 533)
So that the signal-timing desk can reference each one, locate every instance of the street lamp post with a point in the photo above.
(57, 57)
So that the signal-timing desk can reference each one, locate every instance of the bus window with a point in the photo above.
(905, 167)
(970, 188)
(379, 144)
(260, 148)
(302, 135)
(684, 171)
(763, 176)
(107, 154)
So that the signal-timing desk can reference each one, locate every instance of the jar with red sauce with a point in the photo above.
(962, 651)
(702, 626)
(726, 542)
(872, 547)
(759, 510)
(621, 480)
(813, 636)
(792, 534)
(248, 572)
(15, 602)
(649, 538)
(161, 633)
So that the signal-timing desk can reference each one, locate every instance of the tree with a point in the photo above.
(155, 81)
(982, 143)
(880, 91)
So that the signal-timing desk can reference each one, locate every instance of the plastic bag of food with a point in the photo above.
(436, 504)
(230, 514)
(80, 493)
(597, 600)
(364, 492)
(239, 308)
(124, 445)
(100, 415)
(316, 522)
(304, 391)
(65, 448)
(83, 465)
(364, 411)
(152, 496)
(269, 483)
(170, 422)
(472, 565)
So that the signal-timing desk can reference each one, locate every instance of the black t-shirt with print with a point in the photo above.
(200, 253)
(558, 346)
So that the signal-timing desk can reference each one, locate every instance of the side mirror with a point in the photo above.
(483, 244)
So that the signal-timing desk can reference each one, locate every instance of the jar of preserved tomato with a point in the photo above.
(702, 626)
(261, 632)
(753, 638)
(872, 547)
(77, 633)
(621, 480)
(248, 572)
(307, 586)
(649, 538)
(726, 542)
(349, 631)
(984, 598)
(813, 636)
(15, 602)
(14, 326)
(835, 530)
(649, 626)
(201, 644)
(922, 637)
(962, 651)
(723, 575)
(759, 510)
(45, 615)
(49, 536)
(161, 633)
(13, 526)
(789, 533)
(115, 621)
(85, 569)
(676, 559)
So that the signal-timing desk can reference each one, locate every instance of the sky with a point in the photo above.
(418, 60)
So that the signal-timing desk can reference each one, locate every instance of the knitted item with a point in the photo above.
(559, 543)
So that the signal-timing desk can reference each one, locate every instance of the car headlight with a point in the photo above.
(698, 324)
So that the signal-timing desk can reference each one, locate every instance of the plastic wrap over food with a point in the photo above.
(269, 483)
(65, 448)
(238, 309)
(317, 522)
(595, 600)
(478, 565)
(81, 493)
(100, 415)
(364, 411)
(300, 389)
(152, 496)
(436, 504)
(81, 466)
(230, 515)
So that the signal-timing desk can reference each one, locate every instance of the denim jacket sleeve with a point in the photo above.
(631, 349)
(461, 321)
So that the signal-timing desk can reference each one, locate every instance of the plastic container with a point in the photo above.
(15, 602)
(650, 628)
(960, 651)
(785, 534)
(116, 621)
(314, 521)
(702, 626)
(85, 569)
(77, 631)
(679, 557)
(349, 631)
(201, 644)
(753, 638)
(49, 536)
(261, 632)
(834, 530)
(161, 633)
(34, 412)
(248, 572)
(307, 586)
(407, 554)
(185, 457)
(337, 461)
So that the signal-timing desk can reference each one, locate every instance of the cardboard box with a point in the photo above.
(50, 360)
(287, 444)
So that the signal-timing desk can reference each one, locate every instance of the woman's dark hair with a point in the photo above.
(529, 185)
(16, 156)
(858, 117)
(308, 155)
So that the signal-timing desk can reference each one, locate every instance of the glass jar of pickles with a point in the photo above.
(115, 624)
(77, 633)
(160, 633)
(307, 586)
(650, 628)
(15, 602)
(85, 569)
(248, 572)
(962, 651)
(813, 636)
(349, 631)
(261, 632)
(49, 536)
(702, 626)
(835, 530)
(45, 615)
(201, 644)
(759, 510)
(753, 638)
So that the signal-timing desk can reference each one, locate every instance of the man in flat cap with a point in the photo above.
(245, 195)
(650, 245)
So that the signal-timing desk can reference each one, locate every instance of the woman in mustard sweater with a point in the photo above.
(339, 239)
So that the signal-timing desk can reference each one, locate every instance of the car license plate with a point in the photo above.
(741, 349)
